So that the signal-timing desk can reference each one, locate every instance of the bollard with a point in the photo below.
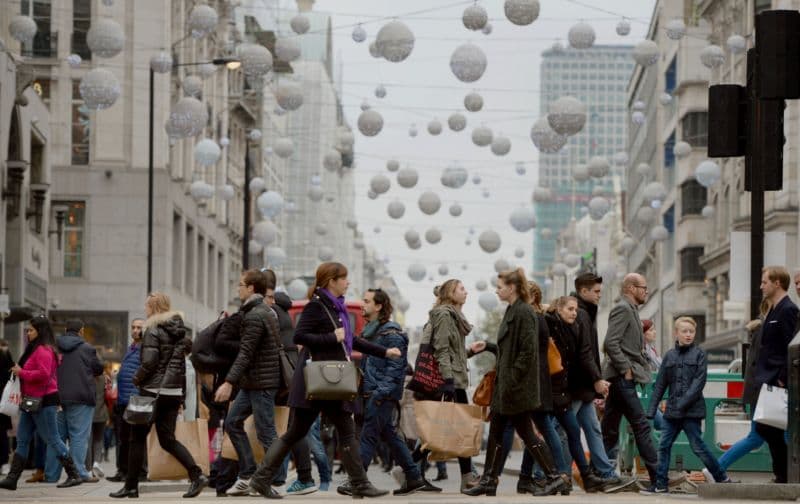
(794, 410)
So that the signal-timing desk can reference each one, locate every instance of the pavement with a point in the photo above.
(170, 492)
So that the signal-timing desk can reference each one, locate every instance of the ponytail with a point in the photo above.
(517, 279)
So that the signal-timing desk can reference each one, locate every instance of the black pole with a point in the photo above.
(246, 233)
(150, 176)
(756, 244)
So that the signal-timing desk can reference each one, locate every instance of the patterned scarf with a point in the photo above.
(344, 318)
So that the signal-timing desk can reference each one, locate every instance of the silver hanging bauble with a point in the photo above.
(412, 130)
(659, 233)
(332, 161)
(207, 152)
(373, 50)
(394, 41)
(520, 168)
(546, 233)
(380, 183)
(321, 229)
(454, 176)
(270, 204)
(416, 272)
(443, 269)
(429, 202)
(623, 28)
(254, 135)
(276, 256)
(206, 70)
(23, 29)
(598, 207)
(501, 146)
(581, 36)
(455, 210)
(644, 170)
(396, 209)
(482, 136)
(289, 95)
(411, 236)
(457, 121)
(489, 241)
(481, 285)
(256, 61)
(682, 149)
(501, 265)
(473, 102)
(488, 301)
(434, 127)
(598, 167)
(646, 53)
(284, 147)
(572, 260)
(265, 232)
(287, 48)
(621, 158)
(559, 269)
(74, 60)
(200, 190)
(380, 91)
(300, 24)
(542, 195)
(487, 29)
(325, 253)
(365, 105)
(359, 34)
(567, 115)
(654, 191)
(665, 99)
(297, 289)
(192, 86)
(315, 193)
(638, 117)
(474, 17)
(736, 44)
(105, 38)
(545, 139)
(99, 89)
(580, 173)
(522, 219)
(226, 192)
(407, 178)
(712, 56)
(468, 62)
(646, 215)
(676, 28)
(521, 12)
(392, 165)
(370, 122)
(202, 20)
(433, 236)
(707, 211)
(476, 179)
(257, 185)
(707, 173)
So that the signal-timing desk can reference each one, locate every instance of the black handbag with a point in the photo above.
(30, 404)
(141, 410)
(331, 380)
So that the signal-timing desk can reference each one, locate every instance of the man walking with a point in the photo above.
(624, 367)
(125, 389)
(588, 289)
(772, 368)
(76, 392)
(383, 388)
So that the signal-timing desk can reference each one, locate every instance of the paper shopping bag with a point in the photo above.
(449, 429)
(772, 407)
(163, 466)
(281, 425)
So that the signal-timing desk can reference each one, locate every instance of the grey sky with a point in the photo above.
(422, 88)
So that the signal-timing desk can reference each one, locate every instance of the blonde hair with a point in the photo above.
(516, 277)
(158, 302)
(560, 302)
(685, 320)
(536, 296)
(778, 274)
(444, 296)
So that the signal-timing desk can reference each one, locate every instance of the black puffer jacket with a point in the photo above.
(282, 305)
(257, 366)
(164, 349)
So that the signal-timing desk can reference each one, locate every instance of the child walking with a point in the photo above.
(683, 370)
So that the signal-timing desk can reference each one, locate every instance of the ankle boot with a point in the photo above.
(73, 476)
(555, 482)
(36, 477)
(525, 485)
(10, 481)
(488, 483)
(365, 489)
(261, 480)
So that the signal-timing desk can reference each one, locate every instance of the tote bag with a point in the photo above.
(772, 407)
(281, 425)
(449, 429)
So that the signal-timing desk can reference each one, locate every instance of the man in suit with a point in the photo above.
(771, 367)
(625, 366)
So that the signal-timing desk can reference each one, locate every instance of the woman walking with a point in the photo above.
(36, 371)
(565, 384)
(162, 374)
(516, 391)
(326, 334)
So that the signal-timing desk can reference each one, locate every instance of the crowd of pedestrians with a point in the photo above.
(550, 387)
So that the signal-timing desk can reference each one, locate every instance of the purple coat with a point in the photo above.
(315, 331)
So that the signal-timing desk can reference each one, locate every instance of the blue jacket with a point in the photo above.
(130, 363)
(683, 370)
(384, 378)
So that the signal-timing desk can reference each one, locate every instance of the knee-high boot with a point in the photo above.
(17, 466)
(261, 481)
(555, 482)
(488, 483)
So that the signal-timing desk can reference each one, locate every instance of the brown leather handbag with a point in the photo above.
(553, 358)
(483, 393)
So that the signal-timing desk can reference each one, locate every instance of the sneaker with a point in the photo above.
(97, 470)
(324, 486)
(398, 475)
(617, 484)
(240, 489)
(300, 488)
(654, 490)
(709, 477)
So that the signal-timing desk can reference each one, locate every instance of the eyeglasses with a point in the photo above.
(641, 287)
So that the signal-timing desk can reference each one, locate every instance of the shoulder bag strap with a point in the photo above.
(335, 325)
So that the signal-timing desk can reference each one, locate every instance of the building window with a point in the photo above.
(694, 128)
(81, 127)
(177, 237)
(45, 42)
(693, 197)
(691, 271)
(74, 235)
(669, 156)
(671, 76)
(81, 19)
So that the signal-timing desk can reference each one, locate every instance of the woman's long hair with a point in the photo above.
(44, 337)
(536, 296)
(444, 293)
(516, 277)
(326, 272)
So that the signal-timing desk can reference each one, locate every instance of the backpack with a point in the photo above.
(204, 358)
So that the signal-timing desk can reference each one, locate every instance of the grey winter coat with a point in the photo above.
(624, 344)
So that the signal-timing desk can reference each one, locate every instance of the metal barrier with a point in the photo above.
(725, 423)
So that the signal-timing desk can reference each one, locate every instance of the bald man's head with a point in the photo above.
(634, 287)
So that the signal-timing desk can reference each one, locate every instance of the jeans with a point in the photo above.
(522, 425)
(691, 426)
(75, 424)
(317, 449)
(261, 404)
(570, 425)
(776, 440)
(623, 401)
(166, 415)
(586, 415)
(378, 426)
(528, 466)
(45, 425)
(752, 441)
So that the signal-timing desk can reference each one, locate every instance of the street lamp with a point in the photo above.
(231, 64)
(255, 136)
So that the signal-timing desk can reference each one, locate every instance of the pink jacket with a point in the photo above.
(38, 376)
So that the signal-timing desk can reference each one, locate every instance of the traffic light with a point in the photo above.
(727, 120)
(778, 46)
(764, 126)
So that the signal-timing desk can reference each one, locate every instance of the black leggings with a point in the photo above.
(166, 415)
